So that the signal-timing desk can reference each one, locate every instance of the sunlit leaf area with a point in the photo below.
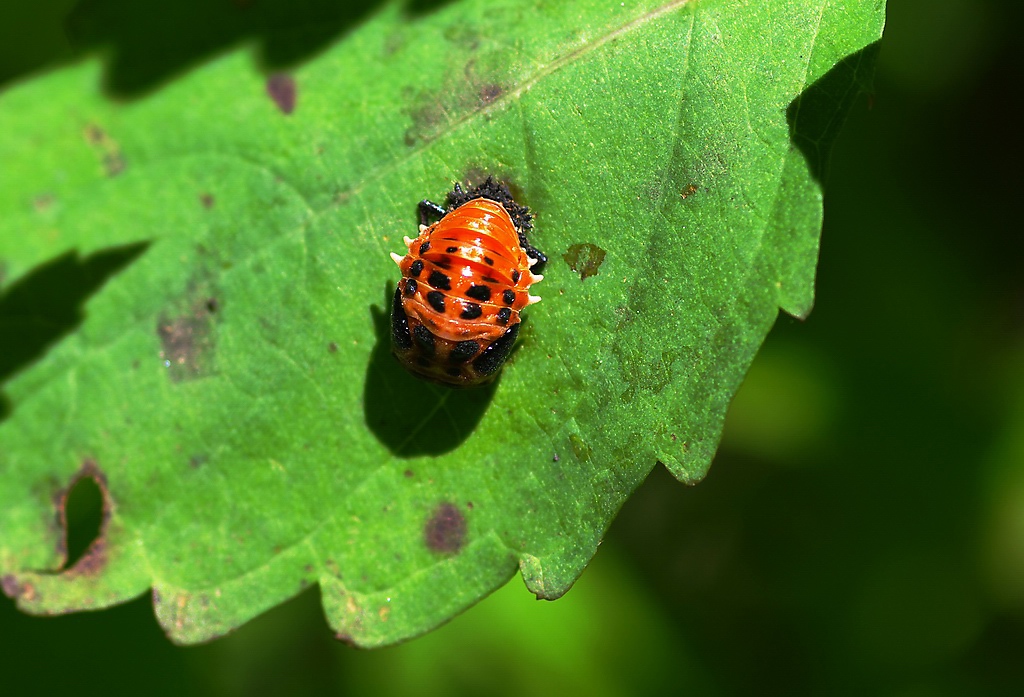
(763, 435)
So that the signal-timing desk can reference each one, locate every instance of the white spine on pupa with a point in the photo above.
(534, 278)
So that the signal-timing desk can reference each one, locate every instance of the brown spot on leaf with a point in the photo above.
(10, 586)
(332, 347)
(489, 92)
(282, 90)
(585, 259)
(426, 121)
(207, 200)
(580, 449)
(187, 341)
(431, 111)
(107, 148)
(688, 190)
(94, 135)
(445, 531)
(93, 561)
(18, 591)
(43, 202)
(408, 474)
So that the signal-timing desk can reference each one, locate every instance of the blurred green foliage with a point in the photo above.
(862, 529)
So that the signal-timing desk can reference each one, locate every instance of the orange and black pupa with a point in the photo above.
(465, 280)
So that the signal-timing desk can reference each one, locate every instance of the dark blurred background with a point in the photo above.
(862, 528)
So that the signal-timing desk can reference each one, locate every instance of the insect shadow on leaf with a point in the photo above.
(409, 416)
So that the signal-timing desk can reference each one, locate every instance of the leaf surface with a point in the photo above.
(195, 287)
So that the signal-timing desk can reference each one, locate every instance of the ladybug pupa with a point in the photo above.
(465, 280)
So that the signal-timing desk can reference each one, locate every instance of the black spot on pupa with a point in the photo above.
(424, 339)
(400, 333)
(463, 351)
(452, 250)
(489, 261)
(439, 281)
(489, 279)
(425, 247)
(516, 276)
(416, 268)
(410, 287)
(445, 531)
(472, 311)
(495, 354)
(508, 296)
(282, 90)
(584, 259)
(504, 314)
(436, 300)
(481, 293)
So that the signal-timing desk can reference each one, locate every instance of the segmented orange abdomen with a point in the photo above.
(464, 282)
(475, 277)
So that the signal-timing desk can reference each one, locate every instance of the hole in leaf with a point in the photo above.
(83, 511)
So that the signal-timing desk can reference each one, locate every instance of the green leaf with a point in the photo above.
(196, 284)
